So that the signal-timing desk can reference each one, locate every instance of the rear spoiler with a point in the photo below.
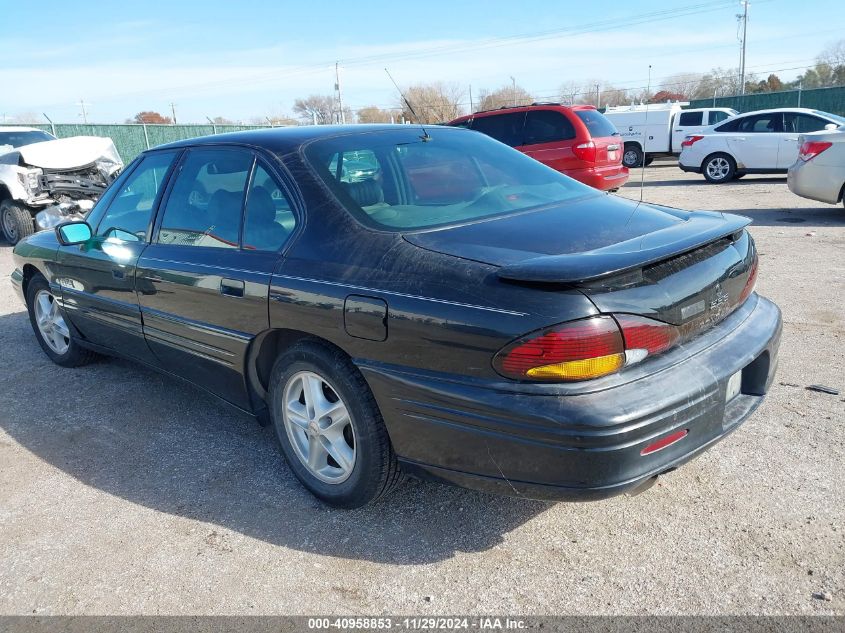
(700, 229)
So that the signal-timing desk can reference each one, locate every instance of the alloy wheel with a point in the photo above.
(718, 168)
(51, 323)
(319, 427)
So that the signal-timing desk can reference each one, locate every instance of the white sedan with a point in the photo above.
(761, 142)
(819, 172)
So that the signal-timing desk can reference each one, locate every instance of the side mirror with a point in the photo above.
(71, 233)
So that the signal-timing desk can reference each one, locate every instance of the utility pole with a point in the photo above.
(513, 91)
(342, 116)
(471, 109)
(598, 97)
(173, 111)
(82, 105)
(744, 18)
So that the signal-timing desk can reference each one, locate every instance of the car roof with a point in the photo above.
(18, 128)
(799, 110)
(524, 108)
(281, 139)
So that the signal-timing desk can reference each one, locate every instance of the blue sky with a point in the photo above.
(253, 57)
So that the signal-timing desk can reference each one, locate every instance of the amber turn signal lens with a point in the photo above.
(579, 369)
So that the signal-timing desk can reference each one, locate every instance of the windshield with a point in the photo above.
(407, 180)
(24, 137)
(597, 124)
(835, 117)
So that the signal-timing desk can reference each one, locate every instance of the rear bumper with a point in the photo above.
(602, 178)
(690, 168)
(580, 441)
(816, 181)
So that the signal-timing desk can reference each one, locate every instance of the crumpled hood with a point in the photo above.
(73, 153)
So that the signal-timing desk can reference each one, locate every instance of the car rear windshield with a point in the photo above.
(25, 137)
(597, 124)
(840, 120)
(412, 179)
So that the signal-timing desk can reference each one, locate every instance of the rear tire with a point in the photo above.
(16, 221)
(649, 161)
(51, 330)
(719, 168)
(632, 156)
(329, 427)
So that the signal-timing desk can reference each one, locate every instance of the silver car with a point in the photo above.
(819, 172)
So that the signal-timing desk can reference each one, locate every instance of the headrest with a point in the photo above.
(365, 193)
(261, 207)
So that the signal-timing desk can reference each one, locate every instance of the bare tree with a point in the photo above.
(434, 103)
(507, 96)
(27, 117)
(315, 109)
(833, 54)
(569, 92)
(684, 84)
(374, 114)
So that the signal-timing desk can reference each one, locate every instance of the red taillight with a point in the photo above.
(585, 349)
(750, 282)
(585, 151)
(811, 149)
(578, 350)
(646, 337)
(690, 140)
(663, 442)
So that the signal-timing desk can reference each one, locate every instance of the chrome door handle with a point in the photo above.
(232, 287)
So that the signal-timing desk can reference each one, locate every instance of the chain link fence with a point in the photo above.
(827, 99)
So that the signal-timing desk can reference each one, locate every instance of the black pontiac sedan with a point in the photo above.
(421, 300)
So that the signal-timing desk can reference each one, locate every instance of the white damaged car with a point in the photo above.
(45, 181)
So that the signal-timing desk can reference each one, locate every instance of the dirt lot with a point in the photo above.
(122, 492)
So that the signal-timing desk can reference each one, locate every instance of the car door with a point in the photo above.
(204, 279)
(548, 138)
(756, 141)
(795, 123)
(97, 278)
(683, 124)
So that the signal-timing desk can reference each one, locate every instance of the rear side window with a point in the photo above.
(205, 205)
(761, 123)
(128, 215)
(547, 126)
(690, 118)
(597, 124)
(505, 128)
(269, 219)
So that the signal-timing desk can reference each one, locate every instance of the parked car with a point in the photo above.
(467, 314)
(577, 141)
(56, 178)
(658, 129)
(819, 172)
(761, 142)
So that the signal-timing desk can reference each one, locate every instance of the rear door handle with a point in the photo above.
(232, 287)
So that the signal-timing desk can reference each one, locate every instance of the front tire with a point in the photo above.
(632, 156)
(50, 328)
(330, 428)
(719, 168)
(16, 221)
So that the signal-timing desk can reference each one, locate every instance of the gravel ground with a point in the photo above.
(122, 492)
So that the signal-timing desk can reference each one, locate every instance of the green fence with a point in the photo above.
(132, 139)
(827, 99)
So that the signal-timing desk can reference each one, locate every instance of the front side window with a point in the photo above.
(690, 118)
(802, 123)
(24, 137)
(547, 126)
(505, 128)
(438, 177)
(128, 215)
(269, 220)
(205, 205)
(717, 115)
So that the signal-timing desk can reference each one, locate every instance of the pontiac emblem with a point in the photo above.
(720, 299)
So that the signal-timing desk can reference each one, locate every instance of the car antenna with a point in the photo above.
(425, 135)
(645, 137)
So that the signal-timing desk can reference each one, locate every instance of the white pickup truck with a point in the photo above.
(657, 129)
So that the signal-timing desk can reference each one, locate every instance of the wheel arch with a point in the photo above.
(30, 271)
(264, 351)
